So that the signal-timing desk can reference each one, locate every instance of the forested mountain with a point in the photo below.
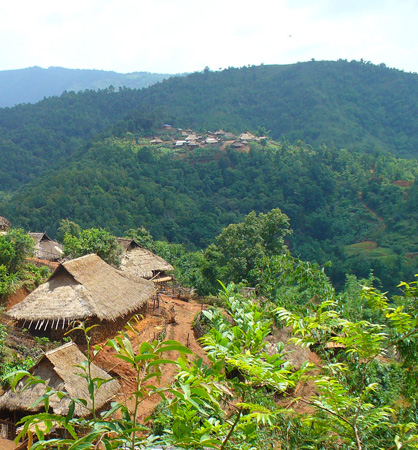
(354, 105)
(223, 207)
(84, 156)
(34, 83)
(358, 210)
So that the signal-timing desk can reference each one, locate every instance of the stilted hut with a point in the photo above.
(58, 369)
(143, 263)
(80, 289)
(46, 248)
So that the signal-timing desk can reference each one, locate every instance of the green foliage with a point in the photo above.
(246, 397)
(291, 282)
(226, 405)
(67, 226)
(334, 198)
(117, 183)
(12, 364)
(351, 104)
(241, 246)
(113, 433)
(93, 240)
(142, 237)
(32, 276)
(350, 400)
(15, 247)
(8, 282)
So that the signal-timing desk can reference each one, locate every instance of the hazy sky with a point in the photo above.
(173, 36)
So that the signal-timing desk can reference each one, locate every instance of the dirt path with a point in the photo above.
(5, 444)
(149, 329)
(373, 213)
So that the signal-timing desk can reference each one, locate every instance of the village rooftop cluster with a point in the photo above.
(85, 288)
(183, 139)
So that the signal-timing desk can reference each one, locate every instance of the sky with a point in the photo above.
(176, 36)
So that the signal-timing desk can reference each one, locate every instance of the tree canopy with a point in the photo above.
(78, 242)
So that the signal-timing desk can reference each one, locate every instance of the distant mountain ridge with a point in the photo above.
(32, 84)
(89, 156)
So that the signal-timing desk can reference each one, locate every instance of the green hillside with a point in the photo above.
(354, 105)
(335, 199)
(87, 156)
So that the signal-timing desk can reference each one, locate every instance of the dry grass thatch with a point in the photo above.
(84, 287)
(143, 263)
(4, 223)
(57, 369)
(127, 244)
(247, 136)
(46, 248)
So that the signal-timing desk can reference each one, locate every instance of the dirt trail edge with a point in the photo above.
(148, 329)
(373, 213)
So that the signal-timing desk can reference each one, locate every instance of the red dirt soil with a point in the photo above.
(181, 314)
(157, 322)
(174, 318)
(5, 444)
(16, 298)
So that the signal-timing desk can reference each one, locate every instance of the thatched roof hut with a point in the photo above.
(46, 248)
(4, 224)
(142, 262)
(247, 136)
(82, 288)
(57, 369)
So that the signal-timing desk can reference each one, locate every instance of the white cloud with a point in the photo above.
(174, 36)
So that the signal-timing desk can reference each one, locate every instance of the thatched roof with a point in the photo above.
(127, 244)
(143, 263)
(45, 247)
(56, 367)
(4, 223)
(81, 288)
(247, 136)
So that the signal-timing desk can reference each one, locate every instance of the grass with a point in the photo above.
(369, 250)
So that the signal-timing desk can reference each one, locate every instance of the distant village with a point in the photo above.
(89, 289)
(188, 139)
(81, 289)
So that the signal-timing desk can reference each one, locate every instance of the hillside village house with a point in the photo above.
(142, 263)
(4, 224)
(247, 136)
(58, 369)
(46, 248)
(156, 140)
(80, 289)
